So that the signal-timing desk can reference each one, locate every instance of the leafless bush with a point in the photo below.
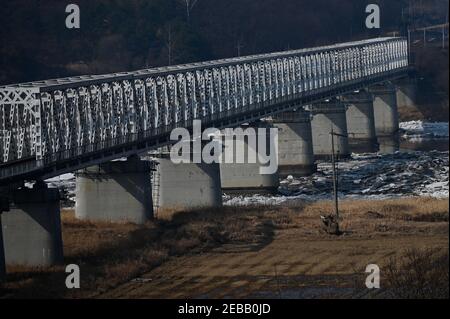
(419, 274)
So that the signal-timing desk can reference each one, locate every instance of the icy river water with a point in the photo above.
(417, 166)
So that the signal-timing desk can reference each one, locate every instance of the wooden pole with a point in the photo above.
(333, 163)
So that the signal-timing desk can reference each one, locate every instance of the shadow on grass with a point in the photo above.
(127, 251)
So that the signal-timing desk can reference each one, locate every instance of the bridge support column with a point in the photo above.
(32, 228)
(295, 146)
(406, 90)
(245, 177)
(328, 116)
(115, 192)
(385, 109)
(360, 122)
(185, 186)
(2, 253)
(389, 144)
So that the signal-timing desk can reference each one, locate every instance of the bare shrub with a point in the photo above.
(419, 274)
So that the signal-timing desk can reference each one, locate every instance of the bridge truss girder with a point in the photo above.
(50, 124)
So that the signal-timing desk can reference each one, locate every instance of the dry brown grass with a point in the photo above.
(111, 254)
(411, 206)
(370, 218)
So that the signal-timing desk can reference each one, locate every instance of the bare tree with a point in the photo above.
(190, 4)
(239, 47)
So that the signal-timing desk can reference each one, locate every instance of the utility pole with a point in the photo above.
(331, 222)
(335, 186)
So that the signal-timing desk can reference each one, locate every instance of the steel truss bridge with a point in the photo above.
(56, 126)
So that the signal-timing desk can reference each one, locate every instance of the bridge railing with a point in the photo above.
(54, 120)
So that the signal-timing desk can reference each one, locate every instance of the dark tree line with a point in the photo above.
(122, 35)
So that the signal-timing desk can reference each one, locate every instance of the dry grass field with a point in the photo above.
(257, 252)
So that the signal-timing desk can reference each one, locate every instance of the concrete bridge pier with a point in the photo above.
(389, 144)
(406, 90)
(385, 109)
(245, 176)
(328, 116)
(2, 254)
(185, 186)
(295, 146)
(32, 228)
(117, 191)
(360, 122)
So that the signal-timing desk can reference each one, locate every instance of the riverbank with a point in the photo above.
(238, 252)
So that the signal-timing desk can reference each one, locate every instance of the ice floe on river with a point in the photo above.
(424, 130)
(367, 176)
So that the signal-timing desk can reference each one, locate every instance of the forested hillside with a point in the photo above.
(122, 35)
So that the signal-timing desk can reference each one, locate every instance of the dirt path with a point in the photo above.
(291, 266)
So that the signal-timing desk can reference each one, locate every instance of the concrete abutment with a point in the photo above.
(32, 228)
(406, 92)
(247, 175)
(2, 254)
(360, 122)
(329, 116)
(117, 191)
(295, 145)
(185, 186)
(385, 109)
